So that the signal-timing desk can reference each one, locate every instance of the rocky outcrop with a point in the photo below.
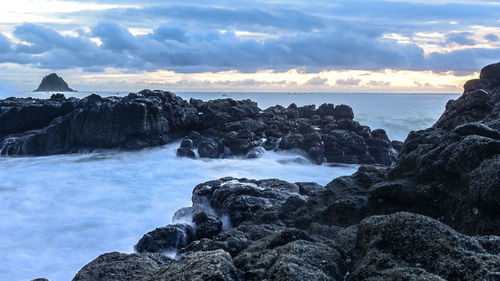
(72, 125)
(215, 129)
(53, 83)
(434, 216)
(405, 246)
(124, 267)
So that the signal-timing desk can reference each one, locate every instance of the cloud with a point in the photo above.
(461, 38)
(114, 37)
(176, 49)
(5, 45)
(316, 81)
(348, 82)
(191, 37)
(491, 38)
(282, 18)
(378, 83)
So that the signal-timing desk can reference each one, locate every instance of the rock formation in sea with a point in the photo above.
(215, 129)
(434, 216)
(53, 83)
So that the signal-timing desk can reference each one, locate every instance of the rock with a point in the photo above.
(186, 149)
(122, 267)
(234, 240)
(209, 148)
(290, 255)
(291, 141)
(218, 128)
(343, 146)
(470, 107)
(256, 152)
(414, 247)
(72, 125)
(53, 83)
(326, 109)
(477, 129)
(200, 266)
(207, 226)
(245, 200)
(168, 238)
(490, 72)
(343, 112)
(413, 221)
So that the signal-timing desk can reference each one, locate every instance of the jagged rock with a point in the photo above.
(200, 266)
(53, 83)
(64, 126)
(122, 267)
(353, 228)
(414, 247)
(234, 240)
(343, 112)
(290, 254)
(256, 152)
(217, 128)
(345, 147)
(209, 148)
(186, 149)
(207, 225)
(245, 200)
(167, 238)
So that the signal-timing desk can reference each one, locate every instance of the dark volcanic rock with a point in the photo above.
(216, 129)
(207, 225)
(168, 238)
(291, 254)
(407, 222)
(200, 266)
(122, 267)
(405, 246)
(71, 125)
(245, 200)
(53, 83)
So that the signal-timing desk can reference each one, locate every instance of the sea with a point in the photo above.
(57, 213)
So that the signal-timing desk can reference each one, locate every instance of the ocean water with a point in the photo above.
(60, 212)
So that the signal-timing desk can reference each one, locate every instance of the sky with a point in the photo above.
(287, 46)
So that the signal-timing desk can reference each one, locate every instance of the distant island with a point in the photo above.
(53, 83)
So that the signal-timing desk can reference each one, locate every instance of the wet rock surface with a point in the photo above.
(434, 216)
(215, 129)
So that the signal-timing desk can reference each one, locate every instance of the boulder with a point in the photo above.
(414, 247)
(200, 266)
(122, 267)
(168, 238)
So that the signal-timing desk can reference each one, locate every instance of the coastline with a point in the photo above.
(381, 223)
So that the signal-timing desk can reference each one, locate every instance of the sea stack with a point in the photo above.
(53, 83)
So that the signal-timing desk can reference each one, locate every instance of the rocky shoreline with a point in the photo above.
(435, 215)
(214, 129)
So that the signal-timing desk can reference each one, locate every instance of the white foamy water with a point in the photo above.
(60, 212)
